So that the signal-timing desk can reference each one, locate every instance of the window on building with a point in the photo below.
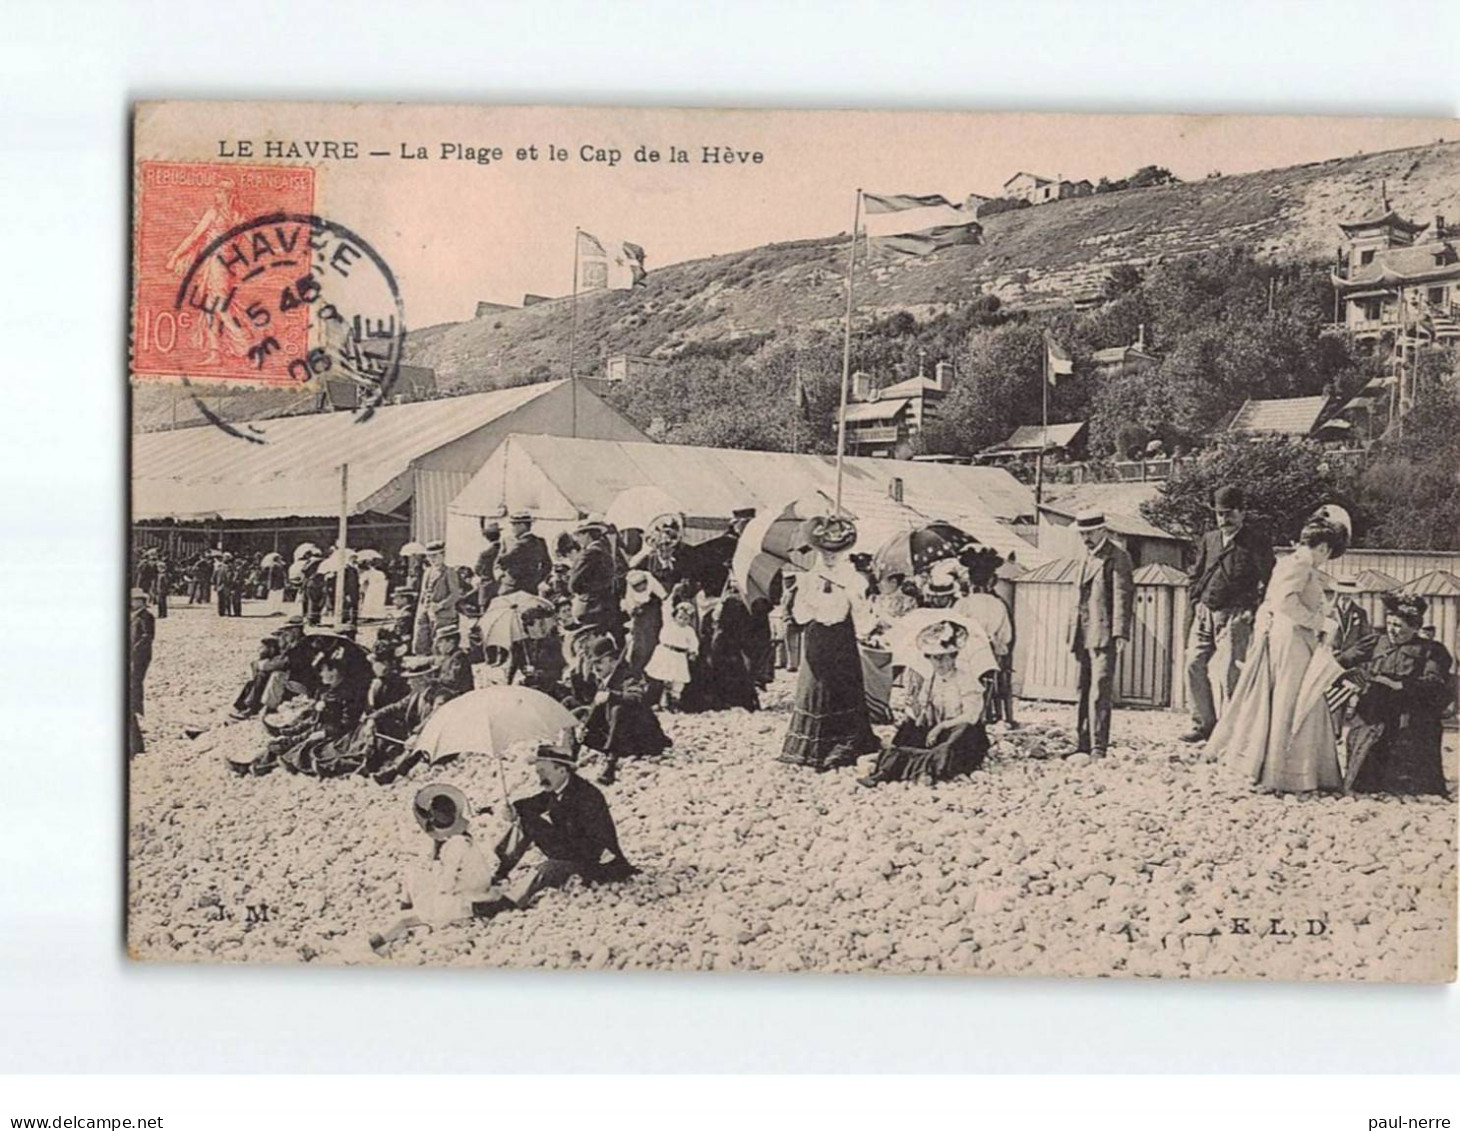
(1366, 257)
(1437, 295)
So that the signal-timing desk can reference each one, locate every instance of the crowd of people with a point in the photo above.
(622, 626)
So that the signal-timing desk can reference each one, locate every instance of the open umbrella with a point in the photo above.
(902, 640)
(770, 542)
(909, 552)
(501, 627)
(490, 720)
(412, 550)
(305, 548)
(332, 563)
(272, 559)
(637, 507)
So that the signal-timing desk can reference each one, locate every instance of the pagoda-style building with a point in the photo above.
(1392, 282)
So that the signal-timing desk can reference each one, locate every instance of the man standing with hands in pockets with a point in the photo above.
(1102, 622)
(1233, 564)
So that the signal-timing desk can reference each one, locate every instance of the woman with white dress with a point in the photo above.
(373, 586)
(1264, 734)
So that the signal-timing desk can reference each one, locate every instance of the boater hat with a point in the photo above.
(436, 547)
(1346, 584)
(520, 516)
(1090, 520)
(139, 594)
(547, 752)
(441, 810)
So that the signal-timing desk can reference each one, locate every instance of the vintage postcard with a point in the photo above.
(794, 541)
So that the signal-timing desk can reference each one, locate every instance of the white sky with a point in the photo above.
(456, 232)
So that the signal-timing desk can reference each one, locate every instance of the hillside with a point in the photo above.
(1050, 254)
(1043, 256)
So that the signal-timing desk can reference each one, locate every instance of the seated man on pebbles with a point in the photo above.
(614, 707)
(569, 826)
(281, 671)
(442, 888)
(942, 735)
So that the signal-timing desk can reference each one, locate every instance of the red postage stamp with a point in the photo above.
(199, 295)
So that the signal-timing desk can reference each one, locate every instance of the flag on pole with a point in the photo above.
(914, 224)
(1057, 361)
(934, 239)
(614, 265)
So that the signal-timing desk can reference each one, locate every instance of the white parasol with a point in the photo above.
(637, 507)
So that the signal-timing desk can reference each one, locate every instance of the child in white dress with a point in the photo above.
(679, 642)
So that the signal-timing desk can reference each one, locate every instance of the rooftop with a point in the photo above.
(1289, 416)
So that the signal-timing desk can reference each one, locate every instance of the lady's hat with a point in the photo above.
(1088, 520)
(942, 638)
(1334, 516)
(1408, 607)
(441, 810)
(830, 533)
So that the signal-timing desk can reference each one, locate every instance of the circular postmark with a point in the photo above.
(301, 299)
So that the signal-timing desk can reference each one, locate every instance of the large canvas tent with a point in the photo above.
(405, 462)
(560, 480)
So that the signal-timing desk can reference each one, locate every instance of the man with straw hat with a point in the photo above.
(1104, 607)
(568, 825)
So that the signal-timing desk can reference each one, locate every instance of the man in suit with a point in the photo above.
(1351, 622)
(440, 590)
(1233, 565)
(524, 562)
(487, 562)
(591, 581)
(615, 704)
(569, 823)
(143, 629)
(1104, 607)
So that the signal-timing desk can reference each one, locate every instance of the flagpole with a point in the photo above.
(841, 419)
(573, 340)
(1043, 434)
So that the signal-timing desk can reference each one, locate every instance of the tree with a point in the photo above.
(1284, 481)
(1412, 486)
(1122, 279)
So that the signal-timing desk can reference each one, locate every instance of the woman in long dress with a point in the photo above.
(1262, 734)
(829, 722)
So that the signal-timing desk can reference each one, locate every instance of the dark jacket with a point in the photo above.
(523, 564)
(1353, 627)
(455, 674)
(1104, 599)
(591, 582)
(573, 826)
(1234, 577)
(143, 629)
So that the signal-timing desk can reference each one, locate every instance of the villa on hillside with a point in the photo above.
(884, 422)
(1392, 282)
(1042, 190)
